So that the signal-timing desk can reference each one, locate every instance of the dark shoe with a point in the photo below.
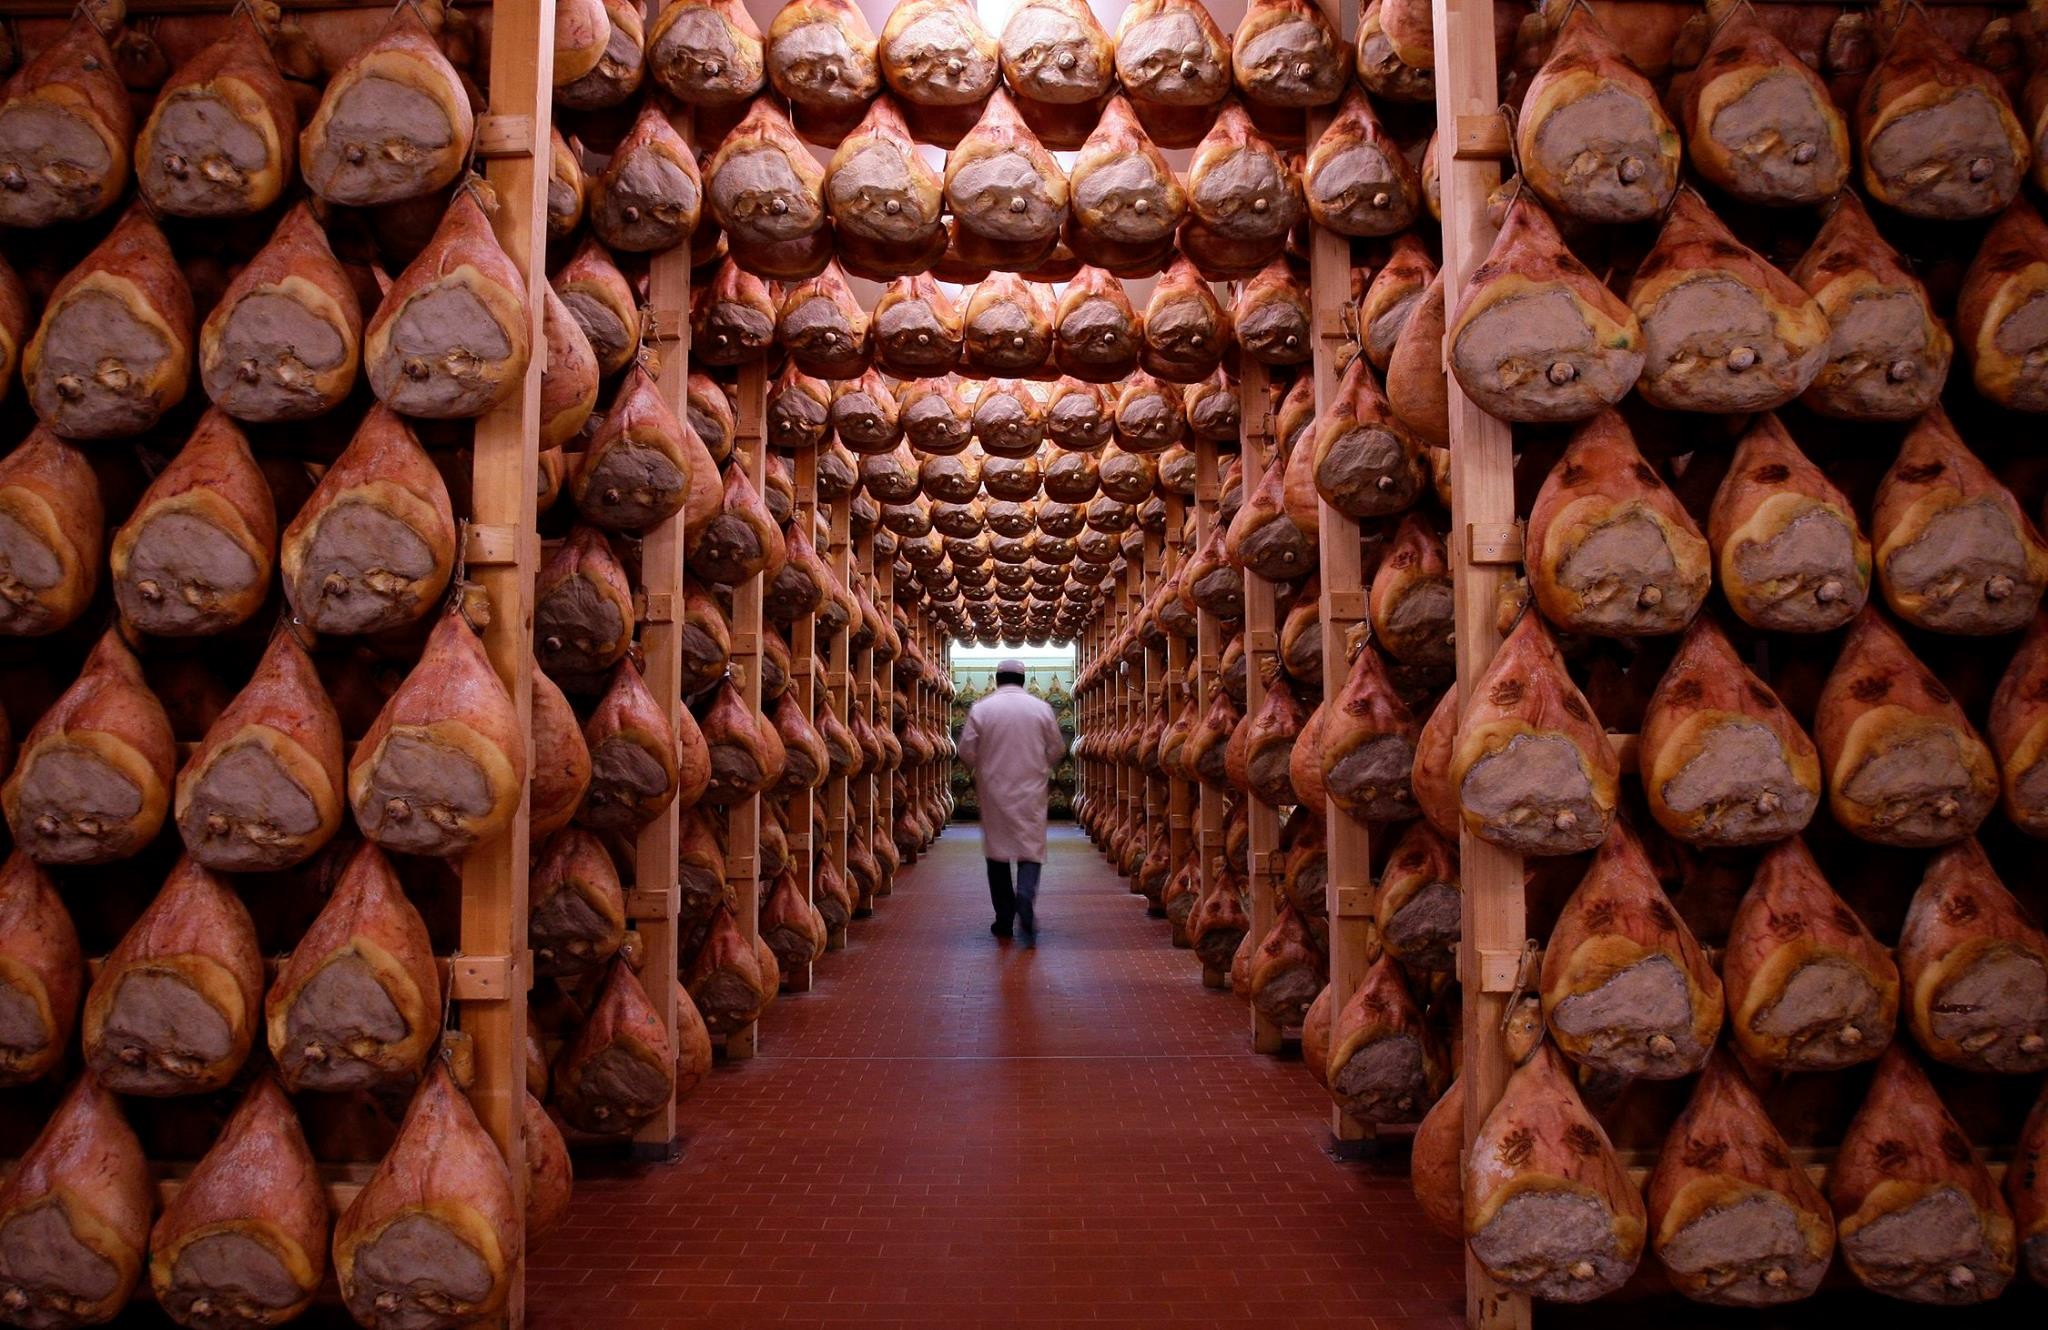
(1027, 918)
(1000, 929)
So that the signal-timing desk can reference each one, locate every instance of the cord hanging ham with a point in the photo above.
(1384, 1063)
(634, 757)
(443, 767)
(650, 194)
(707, 52)
(221, 139)
(582, 609)
(1002, 184)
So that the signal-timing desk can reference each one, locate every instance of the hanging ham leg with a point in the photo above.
(1368, 744)
(1790, 555)
(284, 340)
(1734, 1218)
(74, 1216)
(650, 195)
(1975, 968)
(222, 137)
(1419, 905)
(1888, 355)
(374, 545)
(41, 973)
(1759, 123)
(195, 557)
(582, 609)
(51, 533)
(2019, 731)
(1593, 139)
(263, 790)
(1918, 1216)
(452, 337)
(1904, 765)
(2000, 311)
(358, 1002)
(620, 1069)
(92, 782)
(549, 1180)
(1809, 989)
(1435, 1173)
(394, 123)
(443, 767)
(174, 1010)
(244, 1241)
(113, 352)
(65, 125)
(1626, 987)
(578, 914)
(2026, 1184)
(432, 1240)
(1385, 1064)
(1549, 1210)
(633, 756)
(639, 467)
(1938, 135)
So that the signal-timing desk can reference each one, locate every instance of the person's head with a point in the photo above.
(1010, 672)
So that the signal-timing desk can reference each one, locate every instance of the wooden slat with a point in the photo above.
(1482, 496)
(882, 718)
(658, 846)
(504, 481)
(1180, 797)
(839, 688)
(803, 650)
(743, 824)
(1261, 654)
(1208, 654)
(861, 797)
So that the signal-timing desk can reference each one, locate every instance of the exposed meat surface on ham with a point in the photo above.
(394, 123)
(222, 137)
(619, 1070)
(65, 127)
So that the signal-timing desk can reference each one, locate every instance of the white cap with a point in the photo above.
(1010, 667)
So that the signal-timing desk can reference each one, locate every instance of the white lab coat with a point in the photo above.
(1012, 742)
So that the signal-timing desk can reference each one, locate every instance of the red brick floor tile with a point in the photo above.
(947, 1131)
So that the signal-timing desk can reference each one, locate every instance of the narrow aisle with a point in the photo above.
(951, 1131)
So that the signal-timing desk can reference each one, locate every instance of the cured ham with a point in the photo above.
(1917, 1214)
(1536, 336)
(452, 338)
(443, 767)
(1056, 52)
(1611, 551)
(221, 139)
(1366, 460)
(1998, 311)
(634, 757)
(113, 352)
(1722, 761)
(285, 339)
(821, 55)
(1904, 765)
(357, 1004)
(1385, 1063)
(74, 1214)
(1419, 905)
(1723, 330)
(1734, 1220)
(1357, 181)
(642, 466)
(1435, 1173)
(2019, 731)
(743, 541)
(1626, 987)
(1239, 186)
(762, 184)
(394, 123)
(620, 1069)
(707, 52)
(1368, 744)
(1122, 190)
(1416, 391)
(432, 1240)
(195, 557)
(1001, 183)
(610, 60)
(244, 1240)
(604, 307)
(727, 981)
(1809, 988)
(52, 526)
(1888, 355)
(1285, 54)
(1759, 123)
(1937, 133)
(92, 781)
(373, 547)
(42, 973)
(1789, 553)
(935, 53)
(1530, 764)
(1975, 968)
(582, 608)
(877, 186)
(1592, 138)
(175, 1008)
(65, 125)
(650, 194)
(1548, 1209)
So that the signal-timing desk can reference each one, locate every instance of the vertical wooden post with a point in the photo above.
(803, 664)
(656, 893)
(839, 688)
(1342, 611)
(863, 788)
(1158, 802)
(1208, 675)
(1262, 651)
(885, 714)
(1180, 794)
(1482, 491)
(503, 554)
(743, 821)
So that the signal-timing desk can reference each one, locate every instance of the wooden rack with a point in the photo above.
(743, 819)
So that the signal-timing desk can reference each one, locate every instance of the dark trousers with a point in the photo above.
(1013, 904)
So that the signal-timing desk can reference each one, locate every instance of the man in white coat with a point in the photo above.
(1012, 742)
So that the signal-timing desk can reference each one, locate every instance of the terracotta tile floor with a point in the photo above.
(951, 1132)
